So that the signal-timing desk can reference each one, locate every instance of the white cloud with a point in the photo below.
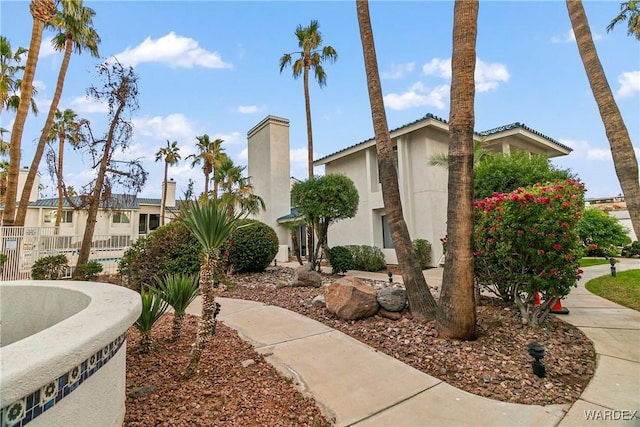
(299, 162)
(487, 75)
(243, 156)
(247, 109)
(398, 70)
(84, 104)
(417, 96)
(438, 67)
(171, 127)
(629, 84)
(570, 37)
(173, 50)
(46, 48)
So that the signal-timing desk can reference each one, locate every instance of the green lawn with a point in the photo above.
(588, 262)
(624, 289)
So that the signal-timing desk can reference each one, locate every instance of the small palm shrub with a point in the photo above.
(367, 258)
(254, 245)
(90, 270)
(423, 252)
(341, 259)
(179, 290)
(153, 307)
(49, 267)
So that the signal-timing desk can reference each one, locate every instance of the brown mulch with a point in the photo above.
(235, 386)
(496, 365)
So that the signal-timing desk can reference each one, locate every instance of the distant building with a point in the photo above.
(423, 188)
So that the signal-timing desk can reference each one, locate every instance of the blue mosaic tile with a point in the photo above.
(23, 410)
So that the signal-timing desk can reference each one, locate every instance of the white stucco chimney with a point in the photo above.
(22, 180)
(171, 193)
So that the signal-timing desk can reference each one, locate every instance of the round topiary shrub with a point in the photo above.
(170, 249)
(341, 259)
(254, 245)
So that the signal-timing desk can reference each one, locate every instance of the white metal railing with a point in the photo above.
(24, 245)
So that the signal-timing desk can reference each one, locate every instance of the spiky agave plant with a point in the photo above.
(179, 290)
(153, 306)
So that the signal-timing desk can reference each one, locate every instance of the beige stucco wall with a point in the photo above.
(423, 193)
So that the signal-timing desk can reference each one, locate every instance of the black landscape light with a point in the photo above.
(612, 261)
(536, 350)
(390, 274)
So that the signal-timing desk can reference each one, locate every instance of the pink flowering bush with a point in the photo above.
(526, 242)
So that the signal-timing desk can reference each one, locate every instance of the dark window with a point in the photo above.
(387, 241)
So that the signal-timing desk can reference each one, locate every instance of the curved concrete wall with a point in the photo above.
(64, 351)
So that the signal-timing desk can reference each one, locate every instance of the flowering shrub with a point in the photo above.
(526, 242)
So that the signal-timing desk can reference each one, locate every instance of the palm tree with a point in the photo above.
(211, 225)
(421, 302)
(171, 157)
(632, 9)
(9, 66)
(210, 155)
(65, 126)
(153, 307)
(311, 56)
(75, 34)
(479, 154)
(624, 158)
(42, 11)
(237, 190)
(456, 315)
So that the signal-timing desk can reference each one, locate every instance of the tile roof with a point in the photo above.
(441, 120)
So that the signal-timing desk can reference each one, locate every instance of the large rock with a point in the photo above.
(349, 299)
(393, 298)
(305, 277)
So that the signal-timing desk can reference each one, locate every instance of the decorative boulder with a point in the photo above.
(318, 301)
(350, 299)
(392, 298)
(306, 278)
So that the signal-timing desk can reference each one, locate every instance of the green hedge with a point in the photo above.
(254, 246)
(367, 258)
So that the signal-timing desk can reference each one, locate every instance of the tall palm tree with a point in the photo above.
(456, 315)
(171, 156)
(75, 34)
(628, 10)
(211, 225)
(312, 55)
(237, 192)
(66, 126)
(210, 155)
(624, 158)
(10, 65)
(421, 302)
(42, 11)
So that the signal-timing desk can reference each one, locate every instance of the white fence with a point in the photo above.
(24, 245)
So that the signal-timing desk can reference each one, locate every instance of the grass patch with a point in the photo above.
(624, 289)
(588, 262)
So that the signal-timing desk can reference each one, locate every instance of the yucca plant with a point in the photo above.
(179, 290)
(153, 306)
(211, 225)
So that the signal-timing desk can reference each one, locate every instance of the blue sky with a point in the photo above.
(213, 67)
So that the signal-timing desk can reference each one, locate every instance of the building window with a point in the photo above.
(65, 218)
(121, 218)
(387, 241)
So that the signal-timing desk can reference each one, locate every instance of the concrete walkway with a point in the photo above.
(360, 386)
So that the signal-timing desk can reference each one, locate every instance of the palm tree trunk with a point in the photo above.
(176, 329)
(206, 323)
(421, 302)
(163, 205)
(624, 159)
(42, 142)
(26, 90)
(456, 316)
(59, 174)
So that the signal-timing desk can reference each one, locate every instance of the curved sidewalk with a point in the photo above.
(360, 386)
